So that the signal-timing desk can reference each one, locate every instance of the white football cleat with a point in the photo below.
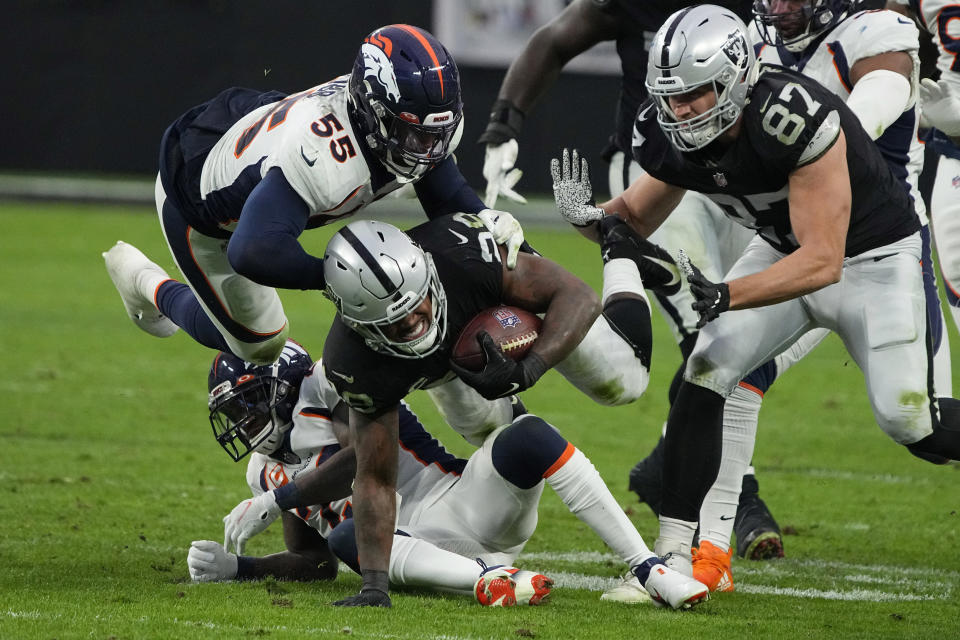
(628, 590)
(502, 586)
(207, 561)
(137, 279)
(669, 587)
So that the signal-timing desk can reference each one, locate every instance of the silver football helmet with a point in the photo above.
(376, 275)
(697, 46)
(798, 28)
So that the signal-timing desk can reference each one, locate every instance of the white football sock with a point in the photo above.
(416, 562)
(740, 416)
(583, 491)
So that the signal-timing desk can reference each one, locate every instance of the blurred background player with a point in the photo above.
(697, 224)
(243, 175)
(453, 512)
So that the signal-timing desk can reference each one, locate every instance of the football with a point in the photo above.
(513, 329)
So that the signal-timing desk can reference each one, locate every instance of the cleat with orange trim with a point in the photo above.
(711, 566)
(628, 590)
(137, 279)
(502, 586)
(668, 587)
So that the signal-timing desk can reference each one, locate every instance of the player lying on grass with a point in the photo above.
(453, 513)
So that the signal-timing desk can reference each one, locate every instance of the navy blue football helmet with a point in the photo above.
(405, 89)
(251, 406)
(797, 29)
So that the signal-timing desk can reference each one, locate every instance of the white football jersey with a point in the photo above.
(425, 471)
(942, 19)
(309, 136)
(862, 35)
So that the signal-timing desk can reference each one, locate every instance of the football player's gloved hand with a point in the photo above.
(939, 106)
(249, 518)
(501, 376)
(366, 598)
(209, 562)
(572, 190)
(500, 173)
(710, 298)
(506, 231)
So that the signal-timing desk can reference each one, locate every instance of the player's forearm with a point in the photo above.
(797, 274)
(533, 72)
(374, 488)
(569, 317)
(285, 565)
(329, 482)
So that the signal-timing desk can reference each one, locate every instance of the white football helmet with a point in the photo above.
(376, 275)
(697, 46)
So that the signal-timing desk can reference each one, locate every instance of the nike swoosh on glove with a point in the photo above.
(572, 190)
(500, 173)
(249, 518)
(501, 376)
(506, 231)
(710, 298)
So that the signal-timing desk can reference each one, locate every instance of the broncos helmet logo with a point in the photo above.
(377, 65)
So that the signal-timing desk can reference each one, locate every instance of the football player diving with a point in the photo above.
(403, 298)
(837, 246)
(242, 175)
(452, 512)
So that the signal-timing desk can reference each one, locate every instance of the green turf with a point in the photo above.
(109, 470)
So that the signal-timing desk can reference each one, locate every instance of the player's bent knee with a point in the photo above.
(524, 451)
(343, 543)
(260, 353)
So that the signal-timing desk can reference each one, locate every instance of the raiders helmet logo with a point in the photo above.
(736, 48)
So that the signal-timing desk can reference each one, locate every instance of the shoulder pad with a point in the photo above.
(822, 140)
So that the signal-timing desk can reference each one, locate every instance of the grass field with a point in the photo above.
(109, 470)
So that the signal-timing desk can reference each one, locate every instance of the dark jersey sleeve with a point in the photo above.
(444, 190)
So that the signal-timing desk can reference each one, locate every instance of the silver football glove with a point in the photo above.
(500, 174)
(248, 519)
(572, 190)
(506, 231)
(207, 561)
(939, 106)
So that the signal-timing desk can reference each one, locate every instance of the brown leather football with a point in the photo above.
(513, 329)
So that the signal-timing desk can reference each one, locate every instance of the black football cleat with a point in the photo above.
(758, 535)
(657, 268)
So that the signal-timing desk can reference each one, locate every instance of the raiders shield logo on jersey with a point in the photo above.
(720, 179)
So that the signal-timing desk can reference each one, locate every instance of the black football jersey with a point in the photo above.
(638, 22)
(749, 179)
(469, 267)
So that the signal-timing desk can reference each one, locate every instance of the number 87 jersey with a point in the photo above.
(789, 121)
(310, 137)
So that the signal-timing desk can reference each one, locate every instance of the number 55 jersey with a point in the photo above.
(789, 121)
(213, 156)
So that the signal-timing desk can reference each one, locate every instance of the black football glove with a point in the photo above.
(710, 298)
(501, 376)
(366, 598)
